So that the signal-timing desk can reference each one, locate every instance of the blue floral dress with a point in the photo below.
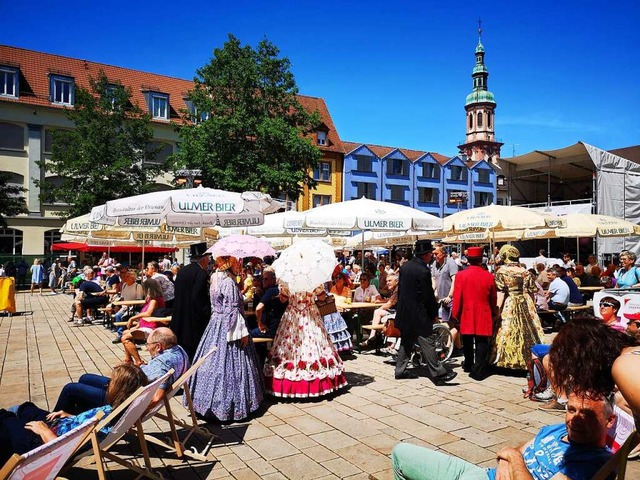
(229, 385)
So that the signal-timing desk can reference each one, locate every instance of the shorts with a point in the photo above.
(540, 350)
(91, 302)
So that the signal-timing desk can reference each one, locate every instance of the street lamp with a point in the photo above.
(190, 178)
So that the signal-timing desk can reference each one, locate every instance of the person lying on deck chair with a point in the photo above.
(90, 390)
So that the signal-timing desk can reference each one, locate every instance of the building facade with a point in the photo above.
(37, 88)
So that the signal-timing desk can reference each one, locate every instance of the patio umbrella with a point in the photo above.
(241, 246)
(366, 214)
(305, 265)
(499, 217)
(192, 207)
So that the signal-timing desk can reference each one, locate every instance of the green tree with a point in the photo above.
(11, 200)
(246, 129)
(106, 156)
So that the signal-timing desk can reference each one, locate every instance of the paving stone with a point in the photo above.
(261, 466)
(272, 447)
(319, 453)
(284, 430)
(245, 474)
(334, 439)
(382, 442)
(364, 457)
(301, 441)
(340, 467)
(256, 430)
(308, 425)
(478, 437)
(300, 467)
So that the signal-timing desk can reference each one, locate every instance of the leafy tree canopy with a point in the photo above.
(11, 199)
(106, 156)
(246, 129)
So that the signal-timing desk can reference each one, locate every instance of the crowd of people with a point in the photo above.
(493, 306)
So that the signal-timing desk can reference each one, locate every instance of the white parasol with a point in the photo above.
(305, 265)
(241, 246)
(193, 207)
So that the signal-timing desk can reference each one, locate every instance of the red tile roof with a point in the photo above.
(36, 66)
(380, 151)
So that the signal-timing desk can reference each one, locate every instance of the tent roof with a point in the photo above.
(569, 163)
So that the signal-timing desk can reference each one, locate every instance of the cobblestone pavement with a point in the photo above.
(349, 435)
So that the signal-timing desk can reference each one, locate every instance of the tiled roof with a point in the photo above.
(312, 104)
(630, 153)
(36, 66)
(380, 151)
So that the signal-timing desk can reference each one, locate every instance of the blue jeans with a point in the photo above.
(410, 462)
(90, 391)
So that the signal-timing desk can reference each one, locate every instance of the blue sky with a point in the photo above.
(392, 73)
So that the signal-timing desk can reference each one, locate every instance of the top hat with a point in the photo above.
(198, 250)
(475, 252)
(422, 246)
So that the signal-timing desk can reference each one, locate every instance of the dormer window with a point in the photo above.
(322, 137)
(160, 106)
(194, 113)
(9, 82)
(61, 90)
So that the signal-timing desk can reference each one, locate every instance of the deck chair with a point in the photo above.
(173, 443)
(46, 461)
(129, 415)
(618, 463)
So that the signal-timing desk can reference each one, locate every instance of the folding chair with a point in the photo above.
(46, 461)
(130, 414)
(173, 443)
(618, 463)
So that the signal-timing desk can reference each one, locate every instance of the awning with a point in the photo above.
(83, 247)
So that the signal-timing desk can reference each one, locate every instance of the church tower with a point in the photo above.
(480, 141)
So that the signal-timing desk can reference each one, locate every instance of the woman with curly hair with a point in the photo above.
(589, 357)
(519, 327)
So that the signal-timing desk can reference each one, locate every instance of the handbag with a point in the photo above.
(327, 306)
(390, 329)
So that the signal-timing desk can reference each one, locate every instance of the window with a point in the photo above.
(11, 136)
(459, 173)
(162, 151)
(366, 190)
(9, 82)
(363, 163)
(431, 170)
(499, 202)
(50, 237)
(484, 176)
(196, 115)
(160, 106)
(319, 200)
(62, 90)
(489, 115)
(322, 172)
(397, 193)
(10, 241)
(482, 198)
(428, 195)
(322, 137)
(471, 120)
(396, 166)
(480, 119)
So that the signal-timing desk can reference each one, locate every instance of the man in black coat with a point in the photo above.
(192, 305)
(416, 311)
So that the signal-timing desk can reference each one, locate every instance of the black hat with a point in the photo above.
(422, 247)
(198, 250)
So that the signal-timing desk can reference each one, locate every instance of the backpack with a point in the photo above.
(537, 381)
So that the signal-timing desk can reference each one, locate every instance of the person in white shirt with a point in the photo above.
(366, 292)
(567, 262)
(541, 258)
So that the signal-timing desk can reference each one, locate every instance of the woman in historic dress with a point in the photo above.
(333, 322)
(520, 326)
(303, 361)
(228, 386)
(37, 275)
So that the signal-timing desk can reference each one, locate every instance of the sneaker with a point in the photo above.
(116, 340)
(544, 396)
(553, 405)
(78, 322)
(525, 389)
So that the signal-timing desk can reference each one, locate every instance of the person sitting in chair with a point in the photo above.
(574, 450)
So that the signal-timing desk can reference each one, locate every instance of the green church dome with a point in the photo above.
(480, 96)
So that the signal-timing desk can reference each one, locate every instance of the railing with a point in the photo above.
(558, 202)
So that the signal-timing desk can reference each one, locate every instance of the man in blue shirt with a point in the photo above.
(92, 296)
(574, 450)
(90, 390)
(271, 307)
(575, 297)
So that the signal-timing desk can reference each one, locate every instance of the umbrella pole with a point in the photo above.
(143, 254)
(577, 250)
(362, 254)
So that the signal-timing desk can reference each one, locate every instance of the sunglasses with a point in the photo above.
(606, 304)
(635, 322)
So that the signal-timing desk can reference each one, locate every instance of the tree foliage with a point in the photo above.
(12, 201)
(106, 156)
(247, 129)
